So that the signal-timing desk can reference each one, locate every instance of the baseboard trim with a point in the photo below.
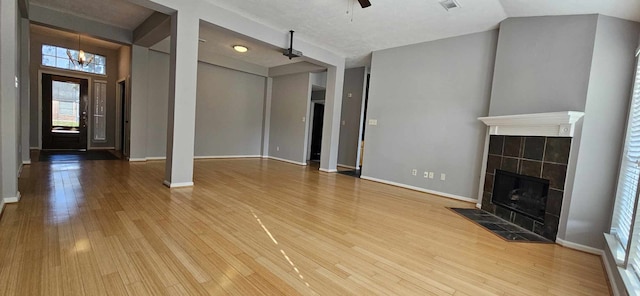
(102, 148)
(20, 169)
(156, 158)
(227, 156)
(177, 185)
(26, 162)
(8, 200)
(137, 159)
(1, 207)
(447, 195)
(347, 166)
(479, 206)
(286, 160)
(579, 247)
(328, 171)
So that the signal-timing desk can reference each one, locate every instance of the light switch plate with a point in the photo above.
(373, 122)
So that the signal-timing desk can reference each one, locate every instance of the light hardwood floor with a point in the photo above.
(260, 227)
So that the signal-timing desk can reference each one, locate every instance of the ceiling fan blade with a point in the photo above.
(364, 3)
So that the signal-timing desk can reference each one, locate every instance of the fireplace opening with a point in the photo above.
(519, 193)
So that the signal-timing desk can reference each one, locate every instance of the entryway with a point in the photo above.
(64, 112)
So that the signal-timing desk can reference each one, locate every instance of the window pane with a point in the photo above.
(100, 60)
(74, 54)
(48, 50)
(65, 104)
(63, 63)
(48, 61)
(100, 69)
(61, 52)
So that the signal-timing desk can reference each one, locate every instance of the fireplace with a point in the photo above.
(523, 194)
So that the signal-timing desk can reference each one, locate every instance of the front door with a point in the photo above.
(64, 112)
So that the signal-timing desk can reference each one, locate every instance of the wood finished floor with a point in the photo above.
(260, 227)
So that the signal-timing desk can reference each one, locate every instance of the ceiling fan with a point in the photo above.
(364, 3)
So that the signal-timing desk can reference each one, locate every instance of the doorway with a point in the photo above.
(64, 112)
(124, 119)
(316, 132)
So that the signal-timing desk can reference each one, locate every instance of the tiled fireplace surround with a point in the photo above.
(536, 145)
(540, 157)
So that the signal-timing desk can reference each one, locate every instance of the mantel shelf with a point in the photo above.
(552, 124)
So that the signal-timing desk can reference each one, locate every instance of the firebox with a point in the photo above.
(519, 193)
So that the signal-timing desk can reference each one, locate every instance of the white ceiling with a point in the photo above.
(73, 37)
(326, 23)
(117, 13)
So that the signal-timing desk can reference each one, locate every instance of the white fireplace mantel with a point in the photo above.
(553, 124)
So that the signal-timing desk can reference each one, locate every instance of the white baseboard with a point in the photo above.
(328, 171)
(137, 159)
(227, 156)
(447, 195)
(102, 148)
(34, 148)
(15, 199)
(156, 158)
(177, 185)
(20, 170)
(579, 247)
(479, 206)
(1, 206)
(26, 162)
(286, 160)
(347, 166)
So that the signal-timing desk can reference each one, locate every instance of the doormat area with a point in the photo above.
(66, 156)
(502, 228)
(352, 173)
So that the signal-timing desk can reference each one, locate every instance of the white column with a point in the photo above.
(10, 129)
(331, 125)
(181, 121)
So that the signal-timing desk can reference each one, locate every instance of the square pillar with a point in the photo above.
(331, 124)
(181, 121)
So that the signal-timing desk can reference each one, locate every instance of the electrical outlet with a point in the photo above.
(304, 119)
(426, 175)
(278, 148)
(430, 175)
(373, 122)
(414, 172)
(350, 95)
(443, 177)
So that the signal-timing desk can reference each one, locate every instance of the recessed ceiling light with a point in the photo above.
(449, 4)
(240, 48)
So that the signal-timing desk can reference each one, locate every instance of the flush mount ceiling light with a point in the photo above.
(449, 4)
(240, 48)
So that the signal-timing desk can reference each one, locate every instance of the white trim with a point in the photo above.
(156, 158)
(552, 124)
(483, 171)
(579, 247)
(607, 265)
(137, 159)
(20, 170)
(227, 156)
(479, 206)
(286, 160)
(1, 205)
(447, 195)
(347, 166)
(177, 185)
(102, 148)
(26, 162)
(15, 199)
(328, 171)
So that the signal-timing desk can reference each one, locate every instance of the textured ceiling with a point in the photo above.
(343, 27)
(118, 13)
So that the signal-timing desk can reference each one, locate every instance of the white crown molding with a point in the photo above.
(552, 124)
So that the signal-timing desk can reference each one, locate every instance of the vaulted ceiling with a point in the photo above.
(343, 27)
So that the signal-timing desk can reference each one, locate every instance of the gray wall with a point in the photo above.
(290, 99)
(229, 110)
(232, 102)
(573, 63)
(609, 90)
(542, 64)
(354, 82)
(427, 98)
(37, 40)
(158, 104)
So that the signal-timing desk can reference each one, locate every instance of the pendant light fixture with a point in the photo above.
(81, 61)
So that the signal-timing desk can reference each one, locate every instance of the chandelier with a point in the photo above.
(81, 60)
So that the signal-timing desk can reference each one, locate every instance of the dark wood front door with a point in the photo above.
(64, 112)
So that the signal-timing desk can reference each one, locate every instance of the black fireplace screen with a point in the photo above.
(522, 194)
